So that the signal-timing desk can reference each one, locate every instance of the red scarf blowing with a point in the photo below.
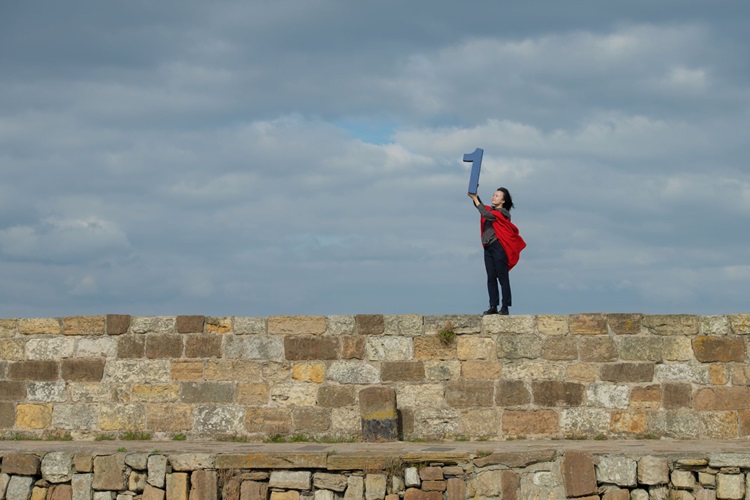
(508, 236)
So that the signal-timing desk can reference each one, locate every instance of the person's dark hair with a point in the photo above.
(507, 200)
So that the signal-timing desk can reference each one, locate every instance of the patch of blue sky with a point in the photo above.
(368, 130)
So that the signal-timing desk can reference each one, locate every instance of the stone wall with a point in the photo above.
(66, 475)
(500, 377)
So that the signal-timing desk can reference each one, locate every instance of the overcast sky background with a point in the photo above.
(305, 156)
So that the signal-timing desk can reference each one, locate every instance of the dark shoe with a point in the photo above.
(504, 311)
(491, 310)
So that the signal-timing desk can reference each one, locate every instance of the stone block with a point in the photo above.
(311, 348)
(218, 324)
(597, 349)
(7, 415)
(23, 464)
(33, 416)
(375, 486)
(533, 370)
(653, 470)
(309, 372)
(402, 371)
(533, 422)
(560, 349)
(157, 470)
(519, 346)
(137, 461)
(469, 394)
(677, 348)
(203, 346)
(494, 324)
(410, 325)
(253, 490)
(480, 369)
(579, 476)
(675, 423)
(552, 325)
(648, 397)
(588, 324)
(153, 324)
(714, 325)
(96, 347)
(719, 424)
(672, 324)
(233, 370)
(295, 394)
(311, 420)
(640, 348)
(268, 420)
(122, 417)
(433, 422)
(218, 420)
(584, 422)
(244, 325)
(109, 472)
(339, 325)
(433, 348)
(186, 462)
(621, 471)
(389, 348)
(355, 489)
(33, 370)
(676, 395)
(335, 396)
(11, 349)
(456, 489)
(626, 422)
(479, 423)
(82, 486)
(377, 406)
(486, 484)
(681, 372)
(369, 324)
(475, 348)
(607, 395)
(555, 393)
(83, 370)
(41, 348)
(627, 372)
(625, 324)
(8, 327)
(292, 480)
(516, 459)
(740, 374)
(19, 487)
(297, 325)
(722, 398)
(160, 346)
(740, 323)
(128, 371)
(137, 481)
(683, 479)
(131, 346)
(60, 492)
(12, 390)
(719, 349)
(352, 372)
(57, 467)
(117, 324)
(327, 481)
(46, 392)
(442, 370)
(187, 370)
(190, 324)
(83, 325)
(204, 485)
(39, 326)
(582, 372)
(511, 393)
(730, 486)
(743, 423)
(155, 393)
(75, 416)
(352, 347)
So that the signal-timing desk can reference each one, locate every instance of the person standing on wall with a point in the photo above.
(502, 247)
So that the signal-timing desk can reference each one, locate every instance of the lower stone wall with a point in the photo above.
(549, 474)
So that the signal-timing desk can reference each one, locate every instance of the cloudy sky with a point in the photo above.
(305, 156)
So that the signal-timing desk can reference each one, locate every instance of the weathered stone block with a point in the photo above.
(607, 395)
(19, 487)
(297, 325)
(389, 348)
(469, 394)
(352, 372)
(681, 372)
(233, 370)
(355, 489)
(722, 398)
(268, 420)
(311, 348)
(442, 370)
(249, 325)
(57, 467)
(554, 393)
(187, 370)
(294, 394)
(75, 416)
(579, 476)
(327, 481)
(83, 370)
(159, 346)
(512, 393)
(11, 350)
(96, 347)
(309, 372)
(117, 324)
(519, 346)
(169, 418)
(311, 420)
(625, 324)
(475, 348)
(560, 349)
(206, 392)
(628, 372)
(204, 485)
(639, 348)
(44, 348)
(33, 370)
(479, 422)
(433, 348)
(626, 422)
(582, 372)
(157, 470)
(621, 471)
(83, 325)
(218, 419)
(122, 417)
(584, 422)
(153, 324)
(533, 370)
(719, 349)
(33, 416)
(377, 407)
(203, 346)
(719, 424)
(494, 324)
(8, 327)
(82, 486)
(740, 323)
(46, 392)
(375, 486)
(186, 462)
(402, 371)
(409, 325)
(675, 423)
(39, 326)
(552, 325)
(535, 422)
(352, 347)
(597, 349)
(155, 393)
(730, 486)
(677, 395)
(672, 324)
(252, 490)
(334, 396)
(190, 324)
(128, 371)
(588, 324)
(369, 324)
(24, 464)
(339, 325)
(131, 346)
(480, 370)
(7, 415)
(293, 480)
(109, 472)
(218, 324)
(653, 470)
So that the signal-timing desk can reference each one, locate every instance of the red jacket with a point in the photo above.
(507, 234)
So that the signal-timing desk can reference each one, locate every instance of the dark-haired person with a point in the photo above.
(502, 247)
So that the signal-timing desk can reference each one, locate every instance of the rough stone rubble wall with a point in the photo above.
(511, 476)
(584, 375)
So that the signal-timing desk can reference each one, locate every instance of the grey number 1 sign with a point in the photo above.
(476, 165)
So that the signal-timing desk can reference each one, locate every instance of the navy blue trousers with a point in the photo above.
(496, 264)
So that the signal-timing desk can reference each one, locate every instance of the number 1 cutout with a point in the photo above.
(476, 165)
